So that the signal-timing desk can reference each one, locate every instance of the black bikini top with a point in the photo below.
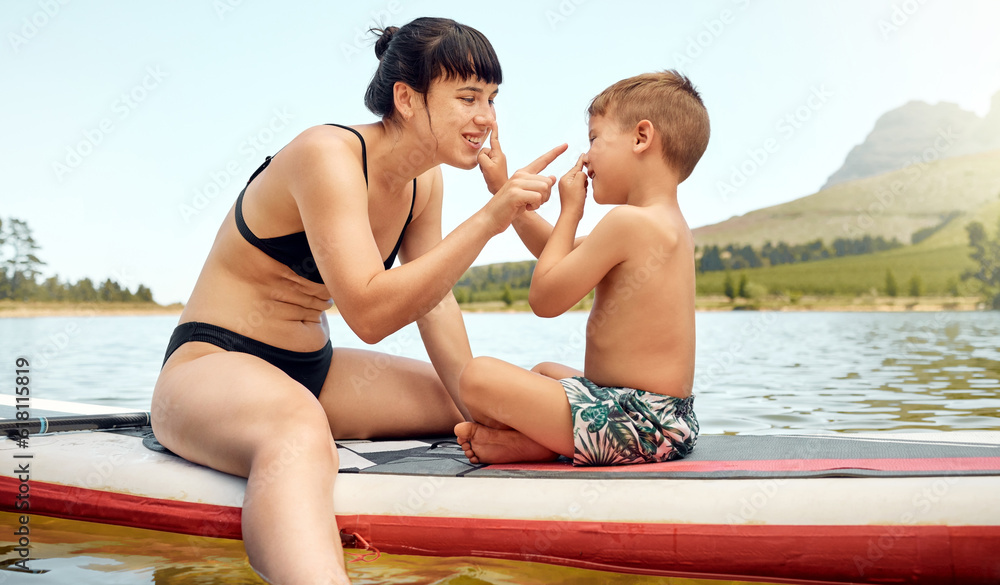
(293, 250)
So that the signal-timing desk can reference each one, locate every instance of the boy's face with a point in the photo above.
(607, 160)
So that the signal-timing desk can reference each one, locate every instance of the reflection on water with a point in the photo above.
(68, 551)
(821, 372)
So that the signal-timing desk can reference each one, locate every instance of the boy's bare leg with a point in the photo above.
(556, 371)
(534, 405)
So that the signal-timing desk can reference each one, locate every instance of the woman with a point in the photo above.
(251, 384)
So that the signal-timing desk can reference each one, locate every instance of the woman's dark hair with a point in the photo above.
(423, 50)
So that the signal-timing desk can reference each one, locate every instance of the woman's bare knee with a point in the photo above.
(298, 438)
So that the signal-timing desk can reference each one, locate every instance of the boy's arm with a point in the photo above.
(533, 230)
(565, 273)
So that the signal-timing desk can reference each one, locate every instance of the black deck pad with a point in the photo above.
(714, 457)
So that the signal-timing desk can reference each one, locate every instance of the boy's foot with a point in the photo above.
(483, 444)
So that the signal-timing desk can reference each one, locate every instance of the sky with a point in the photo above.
(127, 129)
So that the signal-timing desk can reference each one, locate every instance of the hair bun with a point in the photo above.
(384, 36)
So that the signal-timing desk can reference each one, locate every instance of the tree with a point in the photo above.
(711, 260)
(916, 286)
(780, 254)
(19, 260)
(986, 253)
(891, 288)
(20, 269)
(508, 295)
(744, 282)
(110, 292)
(52, 290)
(83, 291)
(143, 294)
(728, 288)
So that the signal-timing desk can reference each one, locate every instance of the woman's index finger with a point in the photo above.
(538, 165)
(495, 136)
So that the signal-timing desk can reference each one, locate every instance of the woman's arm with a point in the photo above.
(442, 329)
(325, 179)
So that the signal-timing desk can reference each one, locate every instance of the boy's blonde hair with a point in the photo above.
(671, 103)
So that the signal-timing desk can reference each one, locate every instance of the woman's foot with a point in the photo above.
(483, 444)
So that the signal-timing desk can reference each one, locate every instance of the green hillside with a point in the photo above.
(893, 205)
(939, 261)
(491, 282)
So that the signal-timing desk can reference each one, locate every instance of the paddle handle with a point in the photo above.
(53, 424)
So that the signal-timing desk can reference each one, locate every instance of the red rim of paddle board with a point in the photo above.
(878, 554)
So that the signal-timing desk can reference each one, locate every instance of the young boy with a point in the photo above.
(632, 403)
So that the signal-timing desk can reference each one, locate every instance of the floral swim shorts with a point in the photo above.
(619, 426)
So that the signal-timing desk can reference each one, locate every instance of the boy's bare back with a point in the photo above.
(641, 331)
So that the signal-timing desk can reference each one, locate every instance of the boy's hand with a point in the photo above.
(493, 162)
(573, 189)
(525, 191)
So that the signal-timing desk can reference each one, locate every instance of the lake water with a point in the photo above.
(763, 372)
(756, 373)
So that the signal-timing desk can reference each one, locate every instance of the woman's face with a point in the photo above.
(461, 113)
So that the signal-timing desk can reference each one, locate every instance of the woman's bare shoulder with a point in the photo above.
(324, 141)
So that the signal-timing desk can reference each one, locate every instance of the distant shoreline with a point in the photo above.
(9, 309)
(15, 310)
(866, 303)
(719, 303)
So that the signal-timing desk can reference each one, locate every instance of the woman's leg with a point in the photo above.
(369, 394)
(236, 413)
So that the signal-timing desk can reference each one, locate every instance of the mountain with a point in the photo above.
(891, 205)
(920, 132)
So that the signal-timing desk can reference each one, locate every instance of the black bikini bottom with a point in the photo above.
(308, 368)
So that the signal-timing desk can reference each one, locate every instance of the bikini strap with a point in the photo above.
(364, 156)
(364, 149)
(260, 169)
(409, 218)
